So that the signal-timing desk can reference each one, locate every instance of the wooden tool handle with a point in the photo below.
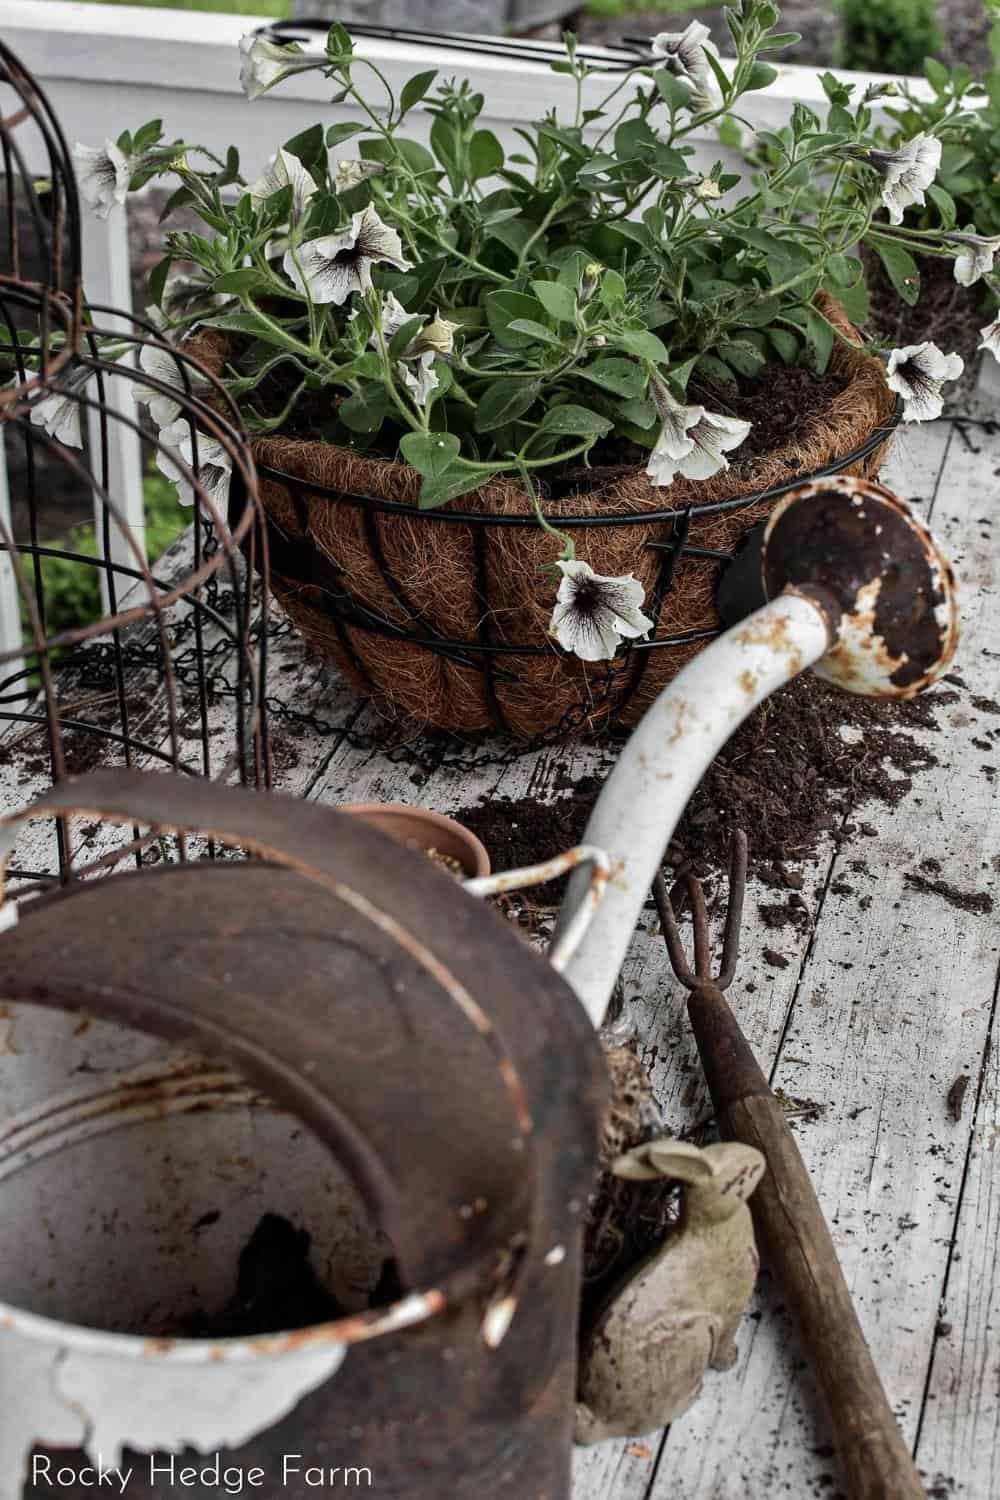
(796, 1243)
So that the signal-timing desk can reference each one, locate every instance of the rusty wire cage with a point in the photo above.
(107, 657)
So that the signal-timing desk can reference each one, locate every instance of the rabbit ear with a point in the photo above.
(736, 1168)
(665, 1158)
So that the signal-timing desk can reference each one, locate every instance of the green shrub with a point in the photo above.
(887, 36)
(72, 590)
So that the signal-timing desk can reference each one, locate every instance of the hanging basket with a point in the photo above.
(443, 615)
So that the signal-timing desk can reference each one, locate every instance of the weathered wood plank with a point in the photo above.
(893, 1003)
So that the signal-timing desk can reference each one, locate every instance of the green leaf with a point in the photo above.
(182, 196)
(844, 270)
(458, 479)
(244, 280)
(559, 302)
(415, 88)
(786, 344)
(760, 75)
(536, 332)
(730, 133)
(778, 40)
(485, 155)
(574, 421)
(308, 146)
(504, 401)
(444, 144)
(644, 345)
(504, 308)
(945, 205)
(247, 322)
(819, 337)
(612, 291)
(900, 268)
(367, 412)
(855, 302)
(416, 157)
(158, 279)
(716, 371)
(937, 74)
(404, 336)
(619, 376)
(430, 453)
(675, 95)
(743, 357)
(343, 132)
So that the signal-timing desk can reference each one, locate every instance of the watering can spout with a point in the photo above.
(850, 583)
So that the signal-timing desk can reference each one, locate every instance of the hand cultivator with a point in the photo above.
(340, 985)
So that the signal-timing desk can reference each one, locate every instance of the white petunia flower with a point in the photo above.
(420, 377)
(394, 315)
(59, 415)
(264, 63)
(353, 172)
(284, 170)
(991, 337)
(214, 464)
(160, 364)
(917, 373)
(683, 52)
(975, 257)
(331, 269)
(907, 173)
(103, 174)
(692, 441)
(594, 613)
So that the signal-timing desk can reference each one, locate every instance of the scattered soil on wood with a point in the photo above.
(788, 776)
(972, 901)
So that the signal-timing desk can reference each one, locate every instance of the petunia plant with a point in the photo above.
(480, 312)
(961, 114)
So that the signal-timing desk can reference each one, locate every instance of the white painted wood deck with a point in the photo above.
(879, 1011)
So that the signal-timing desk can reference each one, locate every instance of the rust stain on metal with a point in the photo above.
(863, 557)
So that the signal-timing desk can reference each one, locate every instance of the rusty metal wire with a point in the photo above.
(119, 661)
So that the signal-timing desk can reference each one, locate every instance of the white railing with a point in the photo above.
(107, 68)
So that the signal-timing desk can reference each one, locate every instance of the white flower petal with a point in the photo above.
(593, 612)
(103, 175)
(713, 436)
(394, 315)
(378, 241)
(917, 373)
(159, 364)
(263, 63)
(991, 337)
(283, 171)
(59, 415)
(214, 464)
(907, 173)
(975, 257)
(420, 380)
(331, 268)
(683, 53)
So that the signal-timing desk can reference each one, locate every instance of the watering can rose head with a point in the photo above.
(482, 315)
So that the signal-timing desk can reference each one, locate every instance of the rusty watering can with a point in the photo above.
(391, 1071)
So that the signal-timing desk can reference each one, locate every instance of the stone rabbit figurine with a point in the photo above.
(676, 1313)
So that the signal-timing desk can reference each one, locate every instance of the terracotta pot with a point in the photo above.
(420, 829)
